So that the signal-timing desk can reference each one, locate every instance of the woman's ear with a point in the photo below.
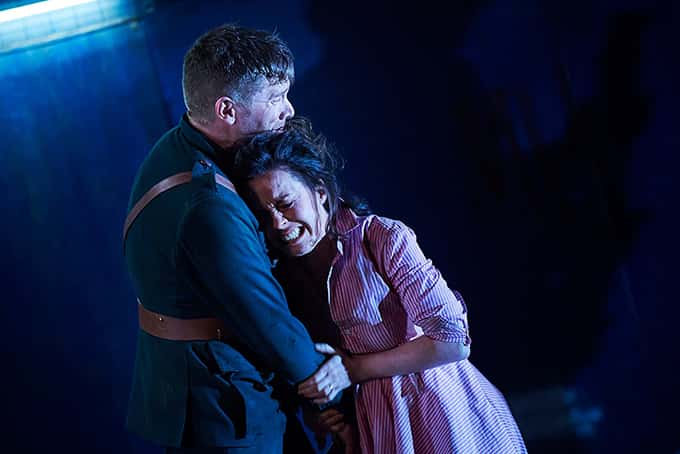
(321, 194)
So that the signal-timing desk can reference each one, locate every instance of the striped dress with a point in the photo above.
(383, 292)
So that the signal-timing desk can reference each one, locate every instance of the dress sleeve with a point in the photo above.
(423, 292)
(231, 272)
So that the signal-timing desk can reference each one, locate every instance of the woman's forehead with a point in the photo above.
(276, 184)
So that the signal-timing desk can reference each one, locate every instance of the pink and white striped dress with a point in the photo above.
(447, 409)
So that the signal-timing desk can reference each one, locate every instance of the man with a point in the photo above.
(214, 323)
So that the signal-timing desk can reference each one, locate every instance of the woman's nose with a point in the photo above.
(279, 221)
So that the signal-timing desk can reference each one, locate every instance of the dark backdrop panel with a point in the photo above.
(77, 116)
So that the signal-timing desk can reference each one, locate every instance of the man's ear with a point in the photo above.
(225, 110)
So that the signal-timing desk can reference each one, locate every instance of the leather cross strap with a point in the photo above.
(180, 329)
(165, 326)
(162, 186)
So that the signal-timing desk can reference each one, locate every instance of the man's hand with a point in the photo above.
(328, 381)
(349, 437)
(333, 421)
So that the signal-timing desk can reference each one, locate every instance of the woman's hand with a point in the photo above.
(329, 380)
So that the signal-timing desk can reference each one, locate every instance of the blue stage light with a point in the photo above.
(43, 22)
(34, 9)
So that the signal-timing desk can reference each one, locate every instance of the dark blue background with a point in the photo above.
(533, 146)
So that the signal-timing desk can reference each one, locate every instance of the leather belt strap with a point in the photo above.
(181, 329)
(165, 185)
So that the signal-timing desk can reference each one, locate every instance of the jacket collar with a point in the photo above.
(223, 158)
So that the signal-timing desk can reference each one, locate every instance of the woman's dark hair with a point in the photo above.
(305, 154)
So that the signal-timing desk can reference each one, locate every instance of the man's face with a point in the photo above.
(267, 110)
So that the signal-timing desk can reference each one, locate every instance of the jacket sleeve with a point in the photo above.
(423, 292)
(230, 270)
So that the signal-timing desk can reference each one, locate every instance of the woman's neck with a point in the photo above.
(317, 262)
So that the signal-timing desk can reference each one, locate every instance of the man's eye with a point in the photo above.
(276, 100)
(285, 206)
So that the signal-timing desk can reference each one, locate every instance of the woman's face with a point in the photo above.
(293, 217)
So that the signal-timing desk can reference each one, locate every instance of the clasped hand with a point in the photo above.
(329, 380)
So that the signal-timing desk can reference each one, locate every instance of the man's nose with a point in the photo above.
(288, 110)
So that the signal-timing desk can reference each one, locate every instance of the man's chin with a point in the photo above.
(274, 130)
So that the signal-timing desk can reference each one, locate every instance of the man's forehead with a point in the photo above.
(275, 86)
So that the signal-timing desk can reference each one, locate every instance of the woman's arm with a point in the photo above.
(425, 297)
(414, 356)
(428, 303)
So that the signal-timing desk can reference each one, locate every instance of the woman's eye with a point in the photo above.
(285, 206)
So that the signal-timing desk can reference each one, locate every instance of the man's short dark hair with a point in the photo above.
(231, 60)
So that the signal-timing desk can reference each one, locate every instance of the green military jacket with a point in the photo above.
(195, 251)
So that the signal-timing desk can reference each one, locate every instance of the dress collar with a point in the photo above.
(346, 221)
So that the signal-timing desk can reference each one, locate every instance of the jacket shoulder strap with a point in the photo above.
(162, 186)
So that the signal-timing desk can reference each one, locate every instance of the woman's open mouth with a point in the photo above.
(293, 235)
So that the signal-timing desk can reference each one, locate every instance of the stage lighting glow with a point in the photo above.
(38, 8)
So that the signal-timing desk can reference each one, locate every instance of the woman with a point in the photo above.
(361, 283)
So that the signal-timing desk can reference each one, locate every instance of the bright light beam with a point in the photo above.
(38, 8)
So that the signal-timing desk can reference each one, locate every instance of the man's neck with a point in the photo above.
(213, 133)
